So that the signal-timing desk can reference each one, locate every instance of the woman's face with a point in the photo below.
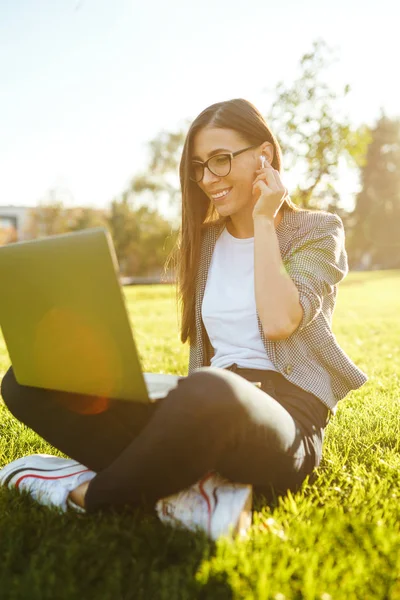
(233, 193)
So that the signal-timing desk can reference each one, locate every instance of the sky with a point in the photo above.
(86, 84)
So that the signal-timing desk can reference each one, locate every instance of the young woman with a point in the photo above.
(257, 280)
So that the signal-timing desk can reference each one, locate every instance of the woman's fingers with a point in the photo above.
(261, 185)
(278, 179)
(279, 182)
(261, 189)
(268, 179)
(272, 176)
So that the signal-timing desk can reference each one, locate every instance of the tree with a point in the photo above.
(46, 219)
(55, 218)
(146, 255)
(8, 235)
(161, 176)
(313, 136)
(123, 226)
(84, 217)
(375, 235)
(305, 116)
(142, 237)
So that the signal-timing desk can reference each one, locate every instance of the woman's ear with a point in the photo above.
(267, 150)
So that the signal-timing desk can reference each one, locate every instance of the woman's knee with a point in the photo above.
(213, 392)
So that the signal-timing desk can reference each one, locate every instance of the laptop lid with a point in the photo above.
(64, 319)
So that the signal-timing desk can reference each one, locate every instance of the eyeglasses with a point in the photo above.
(219, 164)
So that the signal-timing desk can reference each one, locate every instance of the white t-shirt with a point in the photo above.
(229, 306)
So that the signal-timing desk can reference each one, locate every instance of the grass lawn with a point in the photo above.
(337, 539)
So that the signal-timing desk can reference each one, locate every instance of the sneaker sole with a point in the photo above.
(38, 466)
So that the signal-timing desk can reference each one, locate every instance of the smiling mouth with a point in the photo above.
(221, 195)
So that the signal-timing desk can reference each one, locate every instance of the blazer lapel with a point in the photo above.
(211, 235)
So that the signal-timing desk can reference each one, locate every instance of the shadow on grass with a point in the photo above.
(128, 555)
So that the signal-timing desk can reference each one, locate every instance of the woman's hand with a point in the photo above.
(268, 192)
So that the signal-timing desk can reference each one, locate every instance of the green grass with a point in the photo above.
(336, 539)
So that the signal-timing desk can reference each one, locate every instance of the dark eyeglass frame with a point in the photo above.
(230, 155)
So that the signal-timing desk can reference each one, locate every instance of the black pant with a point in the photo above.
(213, 420)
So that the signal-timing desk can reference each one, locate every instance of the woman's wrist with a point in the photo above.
(264, 221)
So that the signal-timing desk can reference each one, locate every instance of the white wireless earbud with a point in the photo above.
(263, 159)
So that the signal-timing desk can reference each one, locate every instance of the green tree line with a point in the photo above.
(307, 118)
(142, 237)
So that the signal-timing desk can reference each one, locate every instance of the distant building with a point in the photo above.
(15, 216)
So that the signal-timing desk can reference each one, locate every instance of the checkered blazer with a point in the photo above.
(313, 252)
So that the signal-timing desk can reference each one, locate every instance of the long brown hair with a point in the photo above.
(197, 209)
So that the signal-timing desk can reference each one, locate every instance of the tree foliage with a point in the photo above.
(8, 235)
(161, 176)
(375, 235)
(52, 217)
(142, 237)
(305, 117)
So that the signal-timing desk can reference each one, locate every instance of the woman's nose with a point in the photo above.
(209, 177)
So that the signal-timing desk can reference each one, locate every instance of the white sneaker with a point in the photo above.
(213, 505)
(48, 479)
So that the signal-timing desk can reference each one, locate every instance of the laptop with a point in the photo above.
(64, 319)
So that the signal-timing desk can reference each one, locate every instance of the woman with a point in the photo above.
(257, 280)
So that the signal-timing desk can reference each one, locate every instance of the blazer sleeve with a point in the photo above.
(317, 264)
